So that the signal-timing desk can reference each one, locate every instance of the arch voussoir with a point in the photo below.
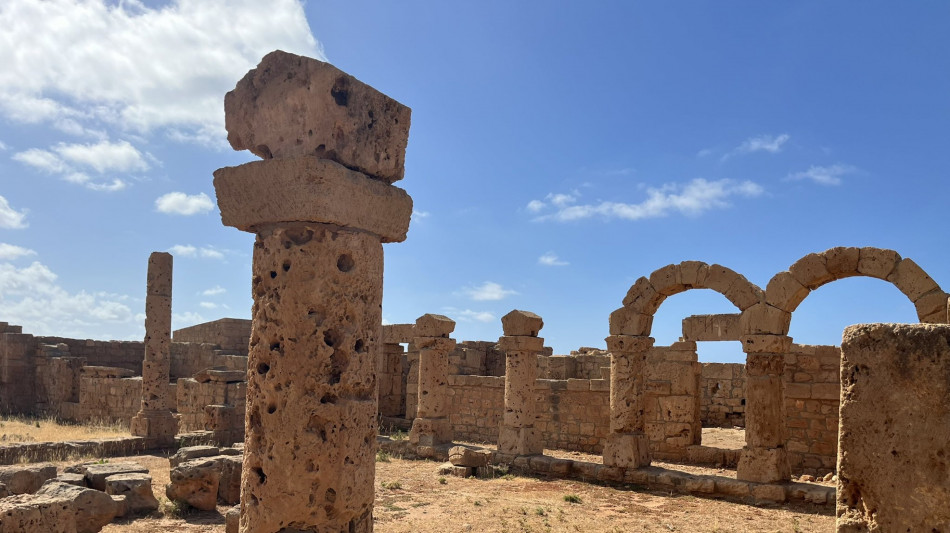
(842, 261)
(667, 280)
(912, 280)
(877, 262)
(764, 319)
(643, 297)
(785, 292)
(932, 308)
(811, 271)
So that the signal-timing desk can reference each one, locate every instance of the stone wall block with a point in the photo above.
(334, 116)
(521, 323)
(764, 319)
(625, 321)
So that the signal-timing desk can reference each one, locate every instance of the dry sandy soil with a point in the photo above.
(411, 496)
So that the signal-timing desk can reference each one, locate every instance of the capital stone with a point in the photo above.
(430, 325)
(523, 323)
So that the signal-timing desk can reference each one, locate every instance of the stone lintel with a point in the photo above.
(628, 343)
(309, 189)
(520, 344)
(292, 106)
(398, 333)
(443, 345)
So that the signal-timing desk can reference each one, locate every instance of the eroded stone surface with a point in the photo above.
(523, 323)
(894, 432)
(137, 489)
(627, 445)
(195, 482)
(432, 425)
(311, 424)
(293, 106)
(31, 513)
(26, 479)
(155, 421)
(310, 189)
(92, 509)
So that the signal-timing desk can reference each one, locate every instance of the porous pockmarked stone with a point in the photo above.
(188, 453)
(317, 285)
(137, 489)
(155, 421)
(465, 456)
(522, 323)
(432, 426)
(32, 513)
(26, 479)
(97, 473)
(430, 325)
(894, 430)
(92, 509)
(292, 106)
(195, 482)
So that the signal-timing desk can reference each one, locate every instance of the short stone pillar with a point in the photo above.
(517, 434)
(310, 430)
(764, 458)
(432, 425)
(627, 445)
(155, 420)
(894, 433)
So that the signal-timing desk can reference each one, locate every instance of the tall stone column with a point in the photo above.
(764, 458)
(521, 344)
(627, 445)
(155, 420)
(321, 204)
(432, 425)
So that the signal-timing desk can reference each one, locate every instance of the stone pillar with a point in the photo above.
(764, 458)
(627, 445)
(894, 431)
(155, 420)
(521, 344)
(432, 425)
(310, 430)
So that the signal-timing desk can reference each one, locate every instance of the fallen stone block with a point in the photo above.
(73, 479)
(96, 473)
(31, 513)
(232, 519)
(26, 479)
(229, 484)
(465, 456)
(137, 489)
(192, 452)
(448, 469)
(196, 483)
(92, 509)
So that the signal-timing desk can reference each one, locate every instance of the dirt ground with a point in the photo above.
(412, 497)
(728, 438)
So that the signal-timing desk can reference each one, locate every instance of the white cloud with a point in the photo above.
(3, 146)
(102, 157)
(420, 214)
(823, 175)
(551, 259)
(9, 252)
(208, 305)
(206, 252)
(10, 218)
(488, 291)
(762, 143)
(188, 318)
(535, 206)
(693, 198)
(705, 152)
(468, 315)
(179, 203)
(214, 291)
(31, 297)
(81, 65)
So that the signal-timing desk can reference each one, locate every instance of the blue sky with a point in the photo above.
(558, 151)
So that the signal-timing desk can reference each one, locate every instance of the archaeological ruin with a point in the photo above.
(282, 415)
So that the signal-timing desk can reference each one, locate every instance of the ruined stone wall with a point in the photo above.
(812, 391)
(672, 399)
(108, 399)
(193, 397)
(121, 354)
(231, 334)
(723, 395)
(16, 369)
(574, 416)
(476, 358)
(579, 366)
(189, 358)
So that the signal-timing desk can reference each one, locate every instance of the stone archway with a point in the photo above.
(630, 340)
(765, 339)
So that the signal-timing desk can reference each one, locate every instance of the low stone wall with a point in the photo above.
(187, 359)
(231, 334)
(812, 391)
(193, 397)
(109, 399)
(34, 452)
(121, 354)
(580, 366)
(723, 395)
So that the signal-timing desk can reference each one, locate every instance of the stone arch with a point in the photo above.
(647, 294)
(786, 290)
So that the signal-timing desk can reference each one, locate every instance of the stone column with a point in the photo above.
(895, 428)
(627, 445)
(521, 344)
(321, 204)
(432, 425)
(764, 458)
(155, 420)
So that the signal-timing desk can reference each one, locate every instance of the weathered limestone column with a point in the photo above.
(764, 458)
(894, 432)
(432, 425)
(627, 445)
(317, 285)
(521, 344)
(155, 420)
